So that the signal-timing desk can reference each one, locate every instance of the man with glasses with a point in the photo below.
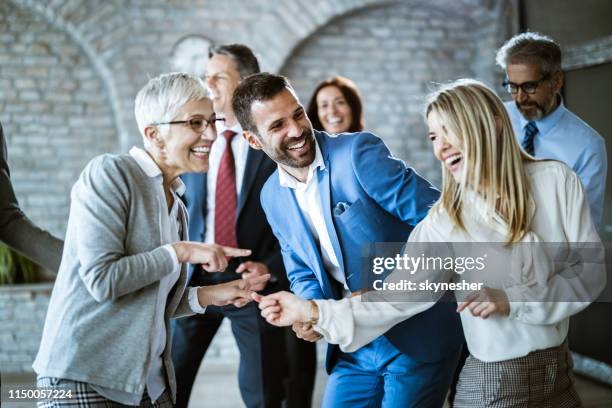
(224, 208)
(543, 125)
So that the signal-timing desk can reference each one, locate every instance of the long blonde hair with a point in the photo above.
(492, 159)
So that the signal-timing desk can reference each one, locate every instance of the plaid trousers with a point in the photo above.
(83, 396)
(541, 379)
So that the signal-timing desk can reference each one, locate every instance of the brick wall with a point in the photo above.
(22, 315)
(395, 54)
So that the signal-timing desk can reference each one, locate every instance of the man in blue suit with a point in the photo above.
(224, 208)
(328, 197)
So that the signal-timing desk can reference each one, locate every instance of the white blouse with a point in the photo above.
(534, 285)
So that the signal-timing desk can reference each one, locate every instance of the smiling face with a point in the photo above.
(284, 132)
(444, 143)
(333, 110)
(539, 104)
(222, 78)
(177, 148)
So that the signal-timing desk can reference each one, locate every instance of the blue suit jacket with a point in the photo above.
(367, 196)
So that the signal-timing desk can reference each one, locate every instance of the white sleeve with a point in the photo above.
(579, 276)
(354, 322)
(194, 303)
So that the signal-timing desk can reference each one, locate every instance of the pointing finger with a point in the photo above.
(234, 252)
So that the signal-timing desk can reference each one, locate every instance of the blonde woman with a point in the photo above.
(516, 326)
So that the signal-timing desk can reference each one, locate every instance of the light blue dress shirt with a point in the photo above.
(565, 137)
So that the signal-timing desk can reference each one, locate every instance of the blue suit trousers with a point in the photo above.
(379, 375)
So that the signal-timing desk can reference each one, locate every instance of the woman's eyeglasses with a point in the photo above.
(196, 124)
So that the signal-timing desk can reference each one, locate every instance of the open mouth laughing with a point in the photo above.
(453, 161)
(201, 151)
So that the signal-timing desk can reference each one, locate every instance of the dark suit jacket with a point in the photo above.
(17, 231)
(252, 229)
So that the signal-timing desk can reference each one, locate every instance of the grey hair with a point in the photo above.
(531, 48)
(162, 97)
(246, 62)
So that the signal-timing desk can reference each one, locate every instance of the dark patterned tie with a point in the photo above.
(225, 196)
(530, 131)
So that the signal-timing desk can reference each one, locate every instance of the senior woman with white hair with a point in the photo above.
(106, 341)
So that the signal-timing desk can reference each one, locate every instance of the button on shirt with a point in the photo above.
(309, 200)
(565, 137)
(240, 148)
(170, 223)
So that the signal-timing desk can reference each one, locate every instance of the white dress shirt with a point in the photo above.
(171, 232)
(240, 148)
(561, 214)
(309, 200)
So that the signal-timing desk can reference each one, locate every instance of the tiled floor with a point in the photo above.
(216, 387)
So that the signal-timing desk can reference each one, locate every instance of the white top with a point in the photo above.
(561, 214)
(171, 230)
(240, 148)
(309, 200)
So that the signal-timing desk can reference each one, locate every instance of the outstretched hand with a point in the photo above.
(238, 292)
(252, 269)
(212, 257)
(283, 308)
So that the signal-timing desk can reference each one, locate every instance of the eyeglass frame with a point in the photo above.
(189, 121)
(506, 84)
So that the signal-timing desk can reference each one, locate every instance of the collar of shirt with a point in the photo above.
(148, 165)
(239, 147)
(236, 128)
(547, 122)
(287, 180)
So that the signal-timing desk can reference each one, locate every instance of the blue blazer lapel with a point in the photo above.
(324, 190)
(254, 159)
(305, 245)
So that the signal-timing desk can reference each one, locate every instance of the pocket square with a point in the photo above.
(340, 208)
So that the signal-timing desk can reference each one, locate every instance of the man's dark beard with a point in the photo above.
(287, 160)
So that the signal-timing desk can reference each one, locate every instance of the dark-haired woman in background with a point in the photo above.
(335, 106)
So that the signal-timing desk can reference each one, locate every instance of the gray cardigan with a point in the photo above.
(100, 317)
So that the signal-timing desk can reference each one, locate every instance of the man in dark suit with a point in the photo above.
(224, 208)
(17, 231)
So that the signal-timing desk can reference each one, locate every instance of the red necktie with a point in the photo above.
(225, 196)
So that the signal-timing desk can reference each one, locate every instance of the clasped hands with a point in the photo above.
(286, 309)
(214, 258)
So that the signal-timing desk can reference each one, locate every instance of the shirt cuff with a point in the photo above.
(194, 303)
(320, 326)
(517, 304)
(172, 252)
